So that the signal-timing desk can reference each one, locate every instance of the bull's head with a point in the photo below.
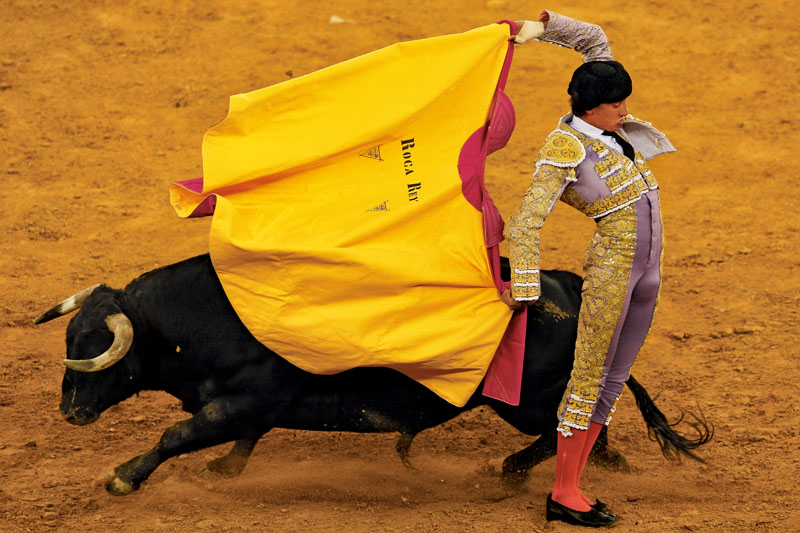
(100, 327)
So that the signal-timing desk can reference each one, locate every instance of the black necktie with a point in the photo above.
(627, 149)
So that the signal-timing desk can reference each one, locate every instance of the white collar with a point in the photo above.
(584, 127)
(592, 132)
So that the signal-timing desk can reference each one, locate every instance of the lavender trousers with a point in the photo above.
(641, 299)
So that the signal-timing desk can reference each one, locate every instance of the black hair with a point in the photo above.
(598, 82)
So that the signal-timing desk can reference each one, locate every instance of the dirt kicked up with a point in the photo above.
(103, 104)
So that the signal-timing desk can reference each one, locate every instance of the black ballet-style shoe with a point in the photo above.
(603, 508)
(590, 518)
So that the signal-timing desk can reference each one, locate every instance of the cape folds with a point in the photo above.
(349, 212)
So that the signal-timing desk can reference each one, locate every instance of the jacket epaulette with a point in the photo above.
(561, 149)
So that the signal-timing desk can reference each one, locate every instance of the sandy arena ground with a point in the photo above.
(103, 104)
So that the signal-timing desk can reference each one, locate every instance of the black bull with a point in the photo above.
(174, 330)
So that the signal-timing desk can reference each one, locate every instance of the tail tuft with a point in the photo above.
(673, 445)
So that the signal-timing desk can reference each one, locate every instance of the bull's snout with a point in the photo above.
(79, 416)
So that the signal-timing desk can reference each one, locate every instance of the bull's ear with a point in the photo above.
(67, 306)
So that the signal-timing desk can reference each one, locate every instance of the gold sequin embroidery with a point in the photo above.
(561, 149)
(600, 149)
(647, 174)
(606, 167)
(522, 229)
(607, 204)
(624, 177)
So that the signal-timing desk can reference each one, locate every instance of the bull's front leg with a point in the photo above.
(232, 464)
(220, 421)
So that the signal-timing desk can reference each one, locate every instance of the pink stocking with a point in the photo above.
(591, 437)
(569, 451)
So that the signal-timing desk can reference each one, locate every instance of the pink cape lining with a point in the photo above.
(503, 379)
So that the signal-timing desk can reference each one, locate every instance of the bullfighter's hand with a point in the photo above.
(509, 300)
(527, 30)
(544, 16)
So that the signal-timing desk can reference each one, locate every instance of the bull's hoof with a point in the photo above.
(612, 460)
(514, 479)
(117, 487)
(226, 466)
(407, 464)
(515, 472)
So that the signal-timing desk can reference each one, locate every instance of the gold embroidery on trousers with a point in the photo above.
(607, 268)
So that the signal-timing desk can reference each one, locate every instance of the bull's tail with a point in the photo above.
(673, 444)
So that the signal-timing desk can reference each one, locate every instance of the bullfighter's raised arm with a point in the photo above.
(588, 39)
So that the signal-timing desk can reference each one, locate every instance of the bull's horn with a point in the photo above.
(122, 328)
(67, 306)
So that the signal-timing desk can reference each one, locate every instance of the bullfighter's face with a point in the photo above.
(607, 117)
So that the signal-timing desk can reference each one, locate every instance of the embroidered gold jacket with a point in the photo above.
(586, 174)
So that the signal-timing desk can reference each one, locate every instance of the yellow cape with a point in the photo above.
(341, 235)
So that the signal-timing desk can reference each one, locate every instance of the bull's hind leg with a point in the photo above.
(403, 446)
(606, 457)
(517, 465)
(232, 464)
(218, 422)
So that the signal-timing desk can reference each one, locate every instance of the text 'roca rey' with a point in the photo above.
(408, 165)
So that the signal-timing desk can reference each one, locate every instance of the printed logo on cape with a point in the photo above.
(408, 166)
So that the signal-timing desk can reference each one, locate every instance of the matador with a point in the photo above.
(595, 161)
